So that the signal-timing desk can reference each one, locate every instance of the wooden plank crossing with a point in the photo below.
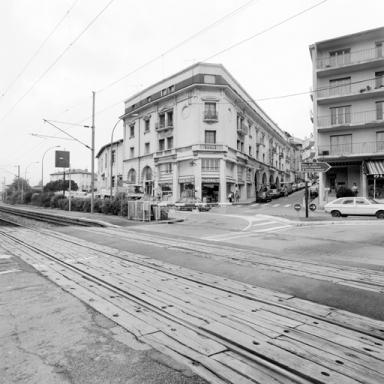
(225, 331)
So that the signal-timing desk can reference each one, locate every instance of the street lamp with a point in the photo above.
(42, 165)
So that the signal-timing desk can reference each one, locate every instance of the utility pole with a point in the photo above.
(18, 178)
(93, 153)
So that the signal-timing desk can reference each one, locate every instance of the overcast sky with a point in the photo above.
(130, 33)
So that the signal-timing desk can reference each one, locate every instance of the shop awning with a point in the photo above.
(375, 167)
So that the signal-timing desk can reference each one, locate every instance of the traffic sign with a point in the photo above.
(315, 167)
(312, 207)
(297, 206)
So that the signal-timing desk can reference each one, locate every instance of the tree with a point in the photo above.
(17, 185)
(60, 185)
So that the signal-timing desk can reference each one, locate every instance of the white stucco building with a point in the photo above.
(80, 176)
(199, 133)
(348, 104)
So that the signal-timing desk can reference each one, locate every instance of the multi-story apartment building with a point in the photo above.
(348, 104)
(80, 176)
(199, 133)
(106, 174)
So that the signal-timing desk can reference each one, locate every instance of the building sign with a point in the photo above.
(210, 180)
(62, 159)
(315, 167)
(187, 179)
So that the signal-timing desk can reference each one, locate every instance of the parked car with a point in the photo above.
(190, 203)
(355, 206)
(294, 187)
(264, 195)
(274, 192)
(301, 185)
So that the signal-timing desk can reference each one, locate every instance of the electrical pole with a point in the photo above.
(18, 178)
(93, 153)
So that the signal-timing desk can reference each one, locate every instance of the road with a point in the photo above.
(326, 271)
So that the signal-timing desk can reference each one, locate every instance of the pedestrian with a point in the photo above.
(230, 197)
(355, 190)
(237, 196)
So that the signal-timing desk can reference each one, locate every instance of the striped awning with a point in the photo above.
(375, 167)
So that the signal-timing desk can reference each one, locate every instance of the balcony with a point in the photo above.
(242, 129)
(364, 89)
(210, 147)
(210, 117)
(161, 126)
(352, 58)
(164, 153)
(352, 149)
(350, 120)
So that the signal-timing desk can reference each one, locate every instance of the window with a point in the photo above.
(209, 79)
(380, 141)
(362, 202)
(250, 150)
(210, 137)
(210, 165)
(171, 89)
(149, 99)
(132, 176)
(379, 49)
(340, 86)
(106, 160)
(379, 79)
(240, 123)
(170, 142)
(340, 57)
(147, 125)
(162, 120)
(379, 110)
(132, 152)
(341, 144)
(210, 111)
(113, 181)
(132, 130)
(164, 92)
(166, 168)
(161, 144)
(170, 119)
(146, 148)
(341, 115)
(349, 201)
(263, 157)
(113, 156)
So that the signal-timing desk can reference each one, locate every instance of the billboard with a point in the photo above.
(62, 159)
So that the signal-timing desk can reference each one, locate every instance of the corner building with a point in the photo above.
(198, 133)
(348, 104)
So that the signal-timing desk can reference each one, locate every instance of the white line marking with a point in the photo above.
(255, 205)
(5, 256)
(10, 271)
(271, 229)
(275, 205)
(264, 223)
(287, 205)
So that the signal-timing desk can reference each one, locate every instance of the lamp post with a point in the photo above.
(42, 165)
(25, 178)
(110, 152)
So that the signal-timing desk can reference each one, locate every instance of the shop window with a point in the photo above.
(210, 165)
(210, 137)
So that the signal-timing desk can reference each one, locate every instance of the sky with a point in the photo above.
(54, 53)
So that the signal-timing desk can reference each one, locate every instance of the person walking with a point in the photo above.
(355, 190)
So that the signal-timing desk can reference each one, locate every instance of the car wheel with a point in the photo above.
(380, 215)
(335, 213)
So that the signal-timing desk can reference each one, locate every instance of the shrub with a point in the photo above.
(106, 206)
(344, 192)
(86, 206)
(55, 201)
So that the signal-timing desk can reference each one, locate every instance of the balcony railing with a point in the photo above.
(210, 147)
(346, 89)
(210, 116)
(166, 152)
(163, 126)
(353, 57)
(352, 149)
(346, 119)
(242, 129)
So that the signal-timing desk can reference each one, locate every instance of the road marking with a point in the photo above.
(5, 256)
(275, 205)
(266, 205)
(255, 205)
(287, 205)
(271, 229)
(10, 271)
(264, 223)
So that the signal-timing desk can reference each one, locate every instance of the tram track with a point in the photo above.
(212, 327)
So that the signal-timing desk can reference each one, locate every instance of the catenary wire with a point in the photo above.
(38, 50)
(69, 46)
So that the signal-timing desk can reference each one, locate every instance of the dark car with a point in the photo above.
(191, 203)
(264, 195)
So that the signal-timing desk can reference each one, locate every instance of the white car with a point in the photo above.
(355, 206)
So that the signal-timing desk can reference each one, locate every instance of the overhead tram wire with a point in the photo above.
(41, 46)
(169, 50)
(69, 46)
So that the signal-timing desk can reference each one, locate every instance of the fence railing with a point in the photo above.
(146, 211)
(351, 148)
(346, 88)
(353, 57)
(354, 118)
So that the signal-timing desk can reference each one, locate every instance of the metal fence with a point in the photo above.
(146, 211)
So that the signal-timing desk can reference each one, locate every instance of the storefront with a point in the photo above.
(165, 190)
(210, 189)
(375, 176)
(187, 186)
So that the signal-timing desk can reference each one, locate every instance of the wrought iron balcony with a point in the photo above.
(351, 149)
(350, 119)
(353, 57)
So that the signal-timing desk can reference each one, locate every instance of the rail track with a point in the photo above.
(225, 331)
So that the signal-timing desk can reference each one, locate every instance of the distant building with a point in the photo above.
(348, 111)
(198, 133)
(104, 174)
(308, 151)
(81, 177)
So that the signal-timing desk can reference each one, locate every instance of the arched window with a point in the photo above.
(147, 174)
(132, 176)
